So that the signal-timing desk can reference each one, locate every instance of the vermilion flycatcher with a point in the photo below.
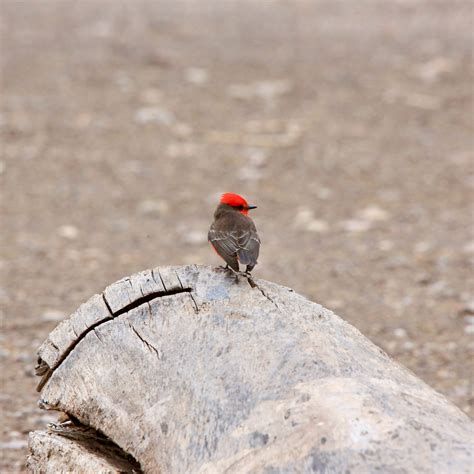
(233, 234)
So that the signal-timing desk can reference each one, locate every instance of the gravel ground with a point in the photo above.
(349, 124)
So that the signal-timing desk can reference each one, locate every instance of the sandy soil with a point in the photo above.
(348, 123)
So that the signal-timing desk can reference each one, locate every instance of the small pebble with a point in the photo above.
(400, 333)
(68, 232)
(432, 70)
(318, 226)
(256, 157)
(408, 345)
(445, 374)
(356, 226)
(151, 207)
(305, 220)
(267, 90)
(469, 329)
(157, 115)
(469, 247)
(196, 75)
(374, 213)
(249, 173)
(181, 150)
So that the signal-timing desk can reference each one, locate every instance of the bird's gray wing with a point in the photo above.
(249, 247)
(226, 245)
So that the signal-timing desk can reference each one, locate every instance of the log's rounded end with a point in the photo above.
(183, 369)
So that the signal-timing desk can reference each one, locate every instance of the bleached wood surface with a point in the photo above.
(188, 371)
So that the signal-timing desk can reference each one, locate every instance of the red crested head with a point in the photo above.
(237, 202)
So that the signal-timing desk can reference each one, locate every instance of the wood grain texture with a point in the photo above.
(53, 453)
(188, 371)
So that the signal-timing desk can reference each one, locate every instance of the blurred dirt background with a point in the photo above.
(349, 124)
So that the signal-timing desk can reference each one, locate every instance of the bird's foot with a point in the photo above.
(234, 272)
(221, 268)
(229, 269)
(248, 275)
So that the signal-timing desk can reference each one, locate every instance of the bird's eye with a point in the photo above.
(240, 208)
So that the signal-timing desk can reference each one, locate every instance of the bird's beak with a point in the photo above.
(252, 207)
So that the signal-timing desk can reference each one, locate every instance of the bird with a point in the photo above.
(233, 233)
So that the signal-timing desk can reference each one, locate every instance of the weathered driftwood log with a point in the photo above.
(187, 371)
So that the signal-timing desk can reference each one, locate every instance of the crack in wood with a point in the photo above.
(135, 304)
(96, 442)
(150, 346)
(196, 306)
(162, 281)
(96, 333)
(252, 284)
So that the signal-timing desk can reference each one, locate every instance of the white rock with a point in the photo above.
(267, 90)
(400, 333)
(374, 213)
(434, 69)
(183, 150)
(305, 220)
(157, 115)
(249, 173)
(303, 216)
(196, 75)
(469, 319)
(469, 329)
(256, 156)
(68, 232)
(408, 345)
(469, 247)
(317, 225)
(151, 207)
(356, 225)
